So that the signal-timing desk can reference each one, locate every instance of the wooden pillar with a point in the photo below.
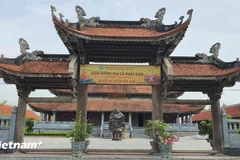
(157, 111)
(21, 114)
(216, 122)
(82, 103)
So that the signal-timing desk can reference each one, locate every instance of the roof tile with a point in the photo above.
(110, 105)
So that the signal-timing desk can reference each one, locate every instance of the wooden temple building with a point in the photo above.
(102, 41)
(132, 100)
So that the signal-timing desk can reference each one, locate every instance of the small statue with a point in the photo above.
(116, 124)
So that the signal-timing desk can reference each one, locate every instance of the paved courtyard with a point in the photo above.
(185, 143)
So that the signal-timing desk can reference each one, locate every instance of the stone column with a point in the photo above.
(130, 119)
(41, 116)
(186, 119)
(23, 93)
(190, 118)
(157, 111)
(54, 116)
(216, 122)
(177, 119)
(182, 121)
(45, 116)
(82, 103)
(49, 117)
(102, 121)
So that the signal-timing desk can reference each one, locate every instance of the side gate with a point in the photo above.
(231, 139)
(7, 130)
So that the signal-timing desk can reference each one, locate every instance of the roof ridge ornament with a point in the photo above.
(53, 9)
(26, 55)
(215, 49)
(148, 23)
(82, 22)
(159, 15)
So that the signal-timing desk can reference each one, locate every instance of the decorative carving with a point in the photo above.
(159, 15)
(82, 60)
(181, 20)
(209, 59)
(80, 13)
(53, 9)
(61, 17)
(147, 23)
(215, 49)
(116, 124)
(92, 22)
(29, 56)
(189, 13)
(23, 91)
(23, 46)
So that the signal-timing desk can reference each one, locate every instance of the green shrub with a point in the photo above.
(205, 128)
(78, 133)
(29, 125)
(238, 131)
(46, 134)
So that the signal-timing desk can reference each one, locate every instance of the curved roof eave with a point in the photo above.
(138, 38)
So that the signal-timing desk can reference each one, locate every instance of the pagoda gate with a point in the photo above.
(103, 41)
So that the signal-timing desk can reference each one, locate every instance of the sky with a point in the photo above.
(213, 21)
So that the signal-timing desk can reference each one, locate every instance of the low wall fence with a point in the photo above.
(7, 130)
(231, 139)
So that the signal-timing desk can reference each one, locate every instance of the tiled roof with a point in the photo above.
(201, 70)
(187, 70)
(7, 110)
(121, 32)
(110, 105)
(233, 110)
(38, 67)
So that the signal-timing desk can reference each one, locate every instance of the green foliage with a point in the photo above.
(46, 134)
(78, 133)
(205, 128)
(3, 115)
(229, 116)
(238, 131)
(158, 125)
(29, 125)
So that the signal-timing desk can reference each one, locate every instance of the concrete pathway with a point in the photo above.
(185, 143)
(188, 148)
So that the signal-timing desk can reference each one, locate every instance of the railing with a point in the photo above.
(233, 125)
(7, 129)
(178, 127)
(51, 126)
(231, 139)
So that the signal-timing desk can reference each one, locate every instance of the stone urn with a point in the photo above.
(79, 147)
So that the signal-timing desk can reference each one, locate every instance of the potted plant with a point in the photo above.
(79, 137)
(157, 129)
